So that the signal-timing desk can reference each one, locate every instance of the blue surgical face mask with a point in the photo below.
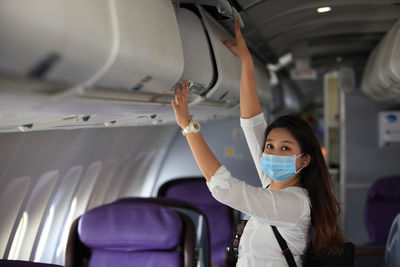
(279, 168)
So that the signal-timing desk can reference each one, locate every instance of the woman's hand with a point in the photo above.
(239, 48)
(180, 105)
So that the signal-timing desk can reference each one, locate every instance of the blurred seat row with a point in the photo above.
(185, 226)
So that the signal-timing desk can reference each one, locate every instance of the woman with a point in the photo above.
(292, 170)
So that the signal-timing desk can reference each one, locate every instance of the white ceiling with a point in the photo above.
(344, 36)
(351, 29)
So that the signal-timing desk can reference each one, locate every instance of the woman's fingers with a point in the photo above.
(183, 88)
(177, 96)
(227, 43)
(238, 33)
(173, 103)
(231, 47)
(181, 95)
(186, 92)
(180, 104)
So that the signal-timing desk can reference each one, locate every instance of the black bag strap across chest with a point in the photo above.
(284, 247)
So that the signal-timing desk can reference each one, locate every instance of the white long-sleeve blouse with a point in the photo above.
(287, 209)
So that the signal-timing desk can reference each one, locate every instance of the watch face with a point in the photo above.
(196, 126)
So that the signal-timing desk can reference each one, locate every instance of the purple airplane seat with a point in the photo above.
(382, 206)
(131, 234)
(198, 217)
(220, 217)
(15, 263)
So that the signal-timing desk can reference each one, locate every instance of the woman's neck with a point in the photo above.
(294, 181)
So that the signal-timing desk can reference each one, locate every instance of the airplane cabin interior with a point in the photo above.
(94, 170)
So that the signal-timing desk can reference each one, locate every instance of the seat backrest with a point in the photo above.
(202, 229)
(382, 205)
(120, 234)
(392, 252)
(15, 263)
(220, 216)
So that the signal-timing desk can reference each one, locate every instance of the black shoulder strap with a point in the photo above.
(284, 247)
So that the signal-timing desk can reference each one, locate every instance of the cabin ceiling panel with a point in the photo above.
(344, 36)
(280, 24)
(283, 43)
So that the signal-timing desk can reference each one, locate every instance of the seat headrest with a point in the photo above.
(130, 227)
(192, 190)
(385, 189)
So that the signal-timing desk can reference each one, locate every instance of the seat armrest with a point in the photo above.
(370, 250)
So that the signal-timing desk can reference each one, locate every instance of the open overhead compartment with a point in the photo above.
(198, 59)
(227, 84)
(228, 67)
(381, 78)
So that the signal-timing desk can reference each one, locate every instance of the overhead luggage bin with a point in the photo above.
(227, 85)
(367, 72)
(63, 41)
(377, 82)
(381, 77)
(116, 62)
(125, 44)
(391, 68)
(228, 67)
(150, 55)
(198, 67)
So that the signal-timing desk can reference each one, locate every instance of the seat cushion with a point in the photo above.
(101, 258)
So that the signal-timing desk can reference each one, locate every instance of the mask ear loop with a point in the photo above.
(302, 164)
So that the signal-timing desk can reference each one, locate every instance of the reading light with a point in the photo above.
(323, 9)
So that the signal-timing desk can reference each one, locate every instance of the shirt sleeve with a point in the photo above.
(254, 132)
(279, 208)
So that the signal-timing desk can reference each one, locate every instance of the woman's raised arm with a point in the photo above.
(249, 103)
(205, 158)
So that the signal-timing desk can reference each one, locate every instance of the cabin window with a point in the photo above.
(113, 191)
(134, 176)
(36, 207)
(18, 237)
(138, 174)
(62, 200)
(45, 234)
(103, 183)
(86, 187)
(64, 236)
(14, 195)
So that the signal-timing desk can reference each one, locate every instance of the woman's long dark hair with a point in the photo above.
(327, 236)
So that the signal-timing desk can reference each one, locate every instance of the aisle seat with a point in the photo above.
(220, 217)
(119, 234)
(382, 206)
(202, 229)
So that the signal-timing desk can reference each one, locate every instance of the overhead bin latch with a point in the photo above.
(223, 6)
(225, 9)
